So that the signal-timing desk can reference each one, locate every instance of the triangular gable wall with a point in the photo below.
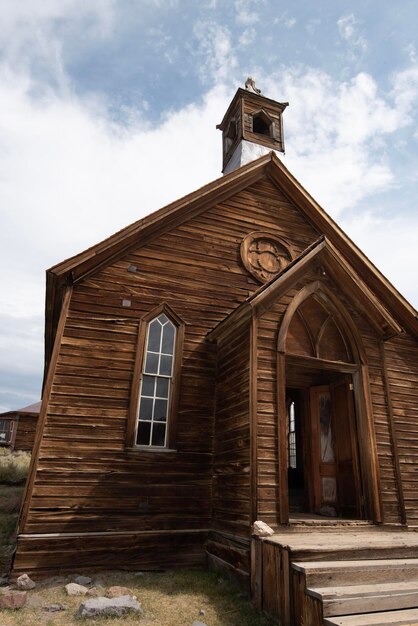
(144, 231)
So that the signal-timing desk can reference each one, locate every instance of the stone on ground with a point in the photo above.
(73, 589)
(261, 529)
(12, 599)
(198, 624)
(83, 580)
(116, 592)
(25, 583)
(100, 607)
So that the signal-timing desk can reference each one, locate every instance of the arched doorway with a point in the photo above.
(327, 450)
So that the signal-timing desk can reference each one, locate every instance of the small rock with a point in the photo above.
(117, 592)
(53, 608)
(261, 529)
(83, 580)
(139, 574)
(93, 591)
(98, 607)
(13, 599)
(202, 612)
(25, 583)
(198, 624)
(73, 589)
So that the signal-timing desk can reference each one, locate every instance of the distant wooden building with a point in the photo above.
(17, 428)
(231, 357)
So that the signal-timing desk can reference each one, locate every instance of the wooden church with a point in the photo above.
(229, 358)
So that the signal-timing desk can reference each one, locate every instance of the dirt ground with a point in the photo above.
(174, 598)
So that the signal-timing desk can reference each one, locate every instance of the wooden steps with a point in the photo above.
(408, 617)
(354, 599)
(355, 575)
(324, 590)
(348, 544)
(339, 573)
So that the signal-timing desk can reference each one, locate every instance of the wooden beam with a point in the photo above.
(393, 436)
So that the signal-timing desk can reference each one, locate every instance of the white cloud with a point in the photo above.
(336, 135)
(391, 243)
(348, 29)
(217, 59)
(247, 37)
(244, 13)
(288, 22)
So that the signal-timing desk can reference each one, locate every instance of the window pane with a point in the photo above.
(160, 410)
(148, 385)
(154, 337)
(163, 318)
(145, 409)
(162, 387)
(144, 429)
(158, 435)
(165, 365)
(151, 364)
(168, 338)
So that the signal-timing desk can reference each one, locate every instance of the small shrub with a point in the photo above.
(14, 467)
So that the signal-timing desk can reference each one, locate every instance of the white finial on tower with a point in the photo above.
(250, 85)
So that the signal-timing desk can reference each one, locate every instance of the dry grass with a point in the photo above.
(168, 599)
(14, 466)
(13, 472)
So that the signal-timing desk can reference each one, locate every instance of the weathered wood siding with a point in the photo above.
(231, 453)
(86, 480)
(231, 495)
(25, 433)
(402, 367)
(267, 444)
(267, 411)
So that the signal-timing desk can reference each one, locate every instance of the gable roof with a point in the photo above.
(320, 254)
(146, 229)
(32, 409)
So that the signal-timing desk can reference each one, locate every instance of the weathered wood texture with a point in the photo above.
(44, 556)
(267, 443)
(231, 450)
(86, 479)
(401, 361)
(25, 433)
(230, 554)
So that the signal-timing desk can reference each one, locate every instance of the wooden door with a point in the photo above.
(346, 447)
(335, 475)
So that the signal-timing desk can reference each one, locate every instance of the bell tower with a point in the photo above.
(251, 127)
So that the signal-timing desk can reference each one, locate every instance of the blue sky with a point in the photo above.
(98, 98)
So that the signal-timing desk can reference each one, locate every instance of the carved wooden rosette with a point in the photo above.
(264, 255)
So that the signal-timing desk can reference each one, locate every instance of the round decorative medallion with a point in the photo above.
(264, 255)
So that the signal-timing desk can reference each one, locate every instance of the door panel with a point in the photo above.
(334, 462)
(323, 451)
(346, 446)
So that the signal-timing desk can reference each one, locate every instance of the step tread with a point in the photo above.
(364, 591)
(348, 540)
(402, 617)
(313, 567)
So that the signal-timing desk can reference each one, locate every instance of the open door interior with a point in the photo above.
(334, 457)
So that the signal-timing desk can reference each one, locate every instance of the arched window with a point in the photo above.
(155, 387)
(156, 382)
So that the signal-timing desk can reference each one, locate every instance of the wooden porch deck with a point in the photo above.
(337, 574)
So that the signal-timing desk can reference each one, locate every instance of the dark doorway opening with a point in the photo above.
(322, 445)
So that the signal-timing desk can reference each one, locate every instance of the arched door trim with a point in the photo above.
(363, 403)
